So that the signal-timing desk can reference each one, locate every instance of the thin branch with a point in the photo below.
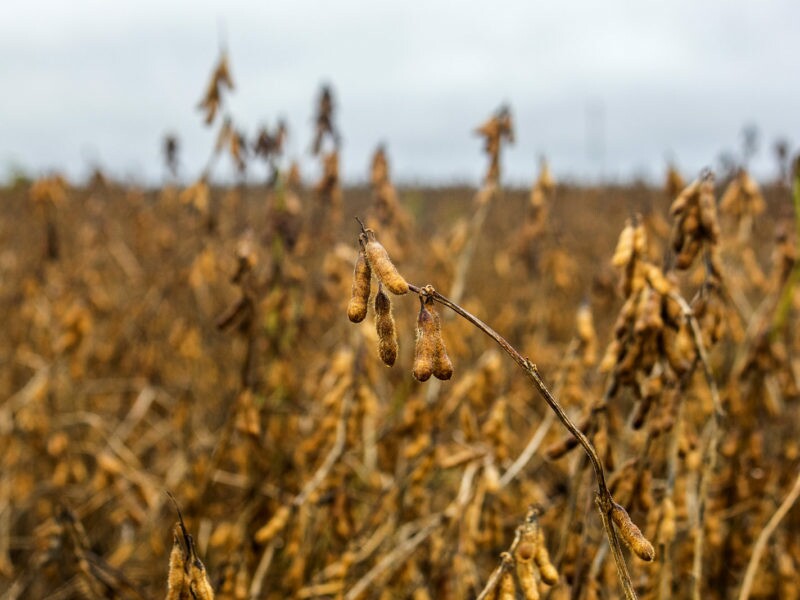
(306, 492)
(396, 557)
(484, 197)
(697, 339)
(533, 445)
(761, 542)
(261, 570)
(538, 436)
(597, 562)
(505, 563)
(711, 436)
(364, 551)
(333, 455)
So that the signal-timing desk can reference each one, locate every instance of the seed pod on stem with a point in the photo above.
(506, 590)
(425, 347)
(274, 525)
(644, 494)
(442, 365)
(384, 325)
(708, 209)
(430, 353)
(523, 559)
(381, 264)
(187, 575)
(177, 587)
(359, 297)
(695, 224)
(667, 528)
(584, 324)
(625, 247)
(631, 534)
(542, 557)
(199, 585)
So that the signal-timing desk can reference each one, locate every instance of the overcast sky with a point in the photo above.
(608, 87)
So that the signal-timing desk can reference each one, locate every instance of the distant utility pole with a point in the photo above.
(596, 137)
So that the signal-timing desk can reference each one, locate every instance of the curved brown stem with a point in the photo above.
(533, 374)
(604, 500)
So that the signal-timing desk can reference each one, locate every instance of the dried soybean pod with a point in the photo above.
(442, 365)
(631, 534)
(561, 447)
(625, 246)
(384, 325)
(274, 525)
(177, 586)
(542, 557)
(644, 495)
(187, 574)
(506, 590)
(381, 264)
(425, 347)
(708, 209)
(199, 585)
(359, 297)
(642, 409)
(667, 528)
(523, 558)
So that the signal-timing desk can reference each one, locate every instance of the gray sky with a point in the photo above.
(101, 81)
